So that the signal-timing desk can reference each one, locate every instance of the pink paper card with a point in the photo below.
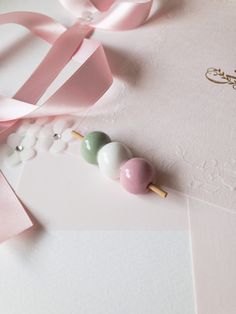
(13, 216)
(67, 193)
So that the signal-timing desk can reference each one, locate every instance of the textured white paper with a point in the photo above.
(214, 255)
(163, 106)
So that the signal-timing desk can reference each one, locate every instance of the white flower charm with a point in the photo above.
(20, 148)
(55, 136)
(43, 134)
(20, 145)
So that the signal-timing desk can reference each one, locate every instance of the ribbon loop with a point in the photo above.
(85, 86)
(111, 14)
(39, 24)
(53, 63)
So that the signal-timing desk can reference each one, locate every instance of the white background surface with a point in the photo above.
(184, 40)
(90, 271)
(97, 272)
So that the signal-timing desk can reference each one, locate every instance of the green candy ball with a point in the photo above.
(91, 144)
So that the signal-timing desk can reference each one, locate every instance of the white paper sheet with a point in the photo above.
(96, 272)
(214, 255)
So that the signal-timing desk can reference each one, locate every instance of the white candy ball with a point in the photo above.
(111, 157)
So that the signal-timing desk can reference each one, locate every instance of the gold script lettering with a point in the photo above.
(219, 77)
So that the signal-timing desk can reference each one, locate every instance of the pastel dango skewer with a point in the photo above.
(115, 160)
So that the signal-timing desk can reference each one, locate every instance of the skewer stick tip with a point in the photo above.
(157, 190)
(77, 134)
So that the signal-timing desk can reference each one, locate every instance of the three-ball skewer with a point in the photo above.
(115, 160)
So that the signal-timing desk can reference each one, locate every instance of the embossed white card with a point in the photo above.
(162, 104)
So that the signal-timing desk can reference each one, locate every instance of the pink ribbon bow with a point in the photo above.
(88, 83)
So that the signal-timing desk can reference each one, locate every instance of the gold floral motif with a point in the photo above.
(219, 77)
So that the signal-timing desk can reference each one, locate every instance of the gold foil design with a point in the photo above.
(219, 77)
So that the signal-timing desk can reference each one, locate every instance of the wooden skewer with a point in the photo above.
(151, 187)
(77, 134)
(157, 190)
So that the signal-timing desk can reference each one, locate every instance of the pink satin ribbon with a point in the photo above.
(88, 83)
(111, 14)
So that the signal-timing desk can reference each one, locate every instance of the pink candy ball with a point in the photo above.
(136, 174)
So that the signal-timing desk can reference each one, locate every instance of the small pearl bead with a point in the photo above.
(19, 148)
(111, 157)
(56, 136)
(136, 174)
(91, 144)
(86, 17)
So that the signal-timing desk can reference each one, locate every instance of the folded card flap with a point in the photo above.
(13, 217)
